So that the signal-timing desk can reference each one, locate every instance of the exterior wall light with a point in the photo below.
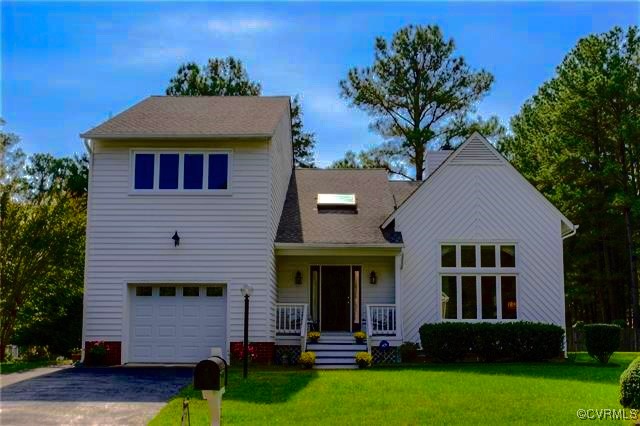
(298, 278)
(176, 239)
(373, 278)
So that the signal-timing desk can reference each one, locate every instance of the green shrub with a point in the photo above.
(602, 340)
(489, 341)
(408, 352)
(515, 341)
(630, 386)
(530, 341)
(446, 341)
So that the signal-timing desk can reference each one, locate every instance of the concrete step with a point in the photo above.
(335, 361)
(335, 367)
(335, 347)
(338, 354)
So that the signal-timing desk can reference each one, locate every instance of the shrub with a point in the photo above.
(408, 352)
(630, 386)
(446, 341)
(307, 359)
(602, 340)
(489, 344)
(364, 359)
(517, 341)
(529, 341)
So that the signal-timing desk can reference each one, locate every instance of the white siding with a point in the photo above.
(477, 198)
(281, 166)
(381, 292)
(224, 238)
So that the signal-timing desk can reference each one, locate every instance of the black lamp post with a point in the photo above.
(246, 291)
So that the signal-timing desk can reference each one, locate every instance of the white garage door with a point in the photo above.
(176, 323)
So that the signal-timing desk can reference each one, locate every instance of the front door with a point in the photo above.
(335, 298)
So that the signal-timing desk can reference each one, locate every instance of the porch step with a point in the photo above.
(316, 347)
(335, 367)
(336, 351)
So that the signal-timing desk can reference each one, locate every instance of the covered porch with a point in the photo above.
(338, 290)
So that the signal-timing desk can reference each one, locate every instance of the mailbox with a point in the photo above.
(210, 374)
(210, 377)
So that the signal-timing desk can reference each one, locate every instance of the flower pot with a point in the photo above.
(76, 357)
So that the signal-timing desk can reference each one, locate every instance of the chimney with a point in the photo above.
(434, 159)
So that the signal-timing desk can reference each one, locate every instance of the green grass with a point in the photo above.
(16, 366)
(540, 393)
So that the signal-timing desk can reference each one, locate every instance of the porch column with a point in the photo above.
(398, 295)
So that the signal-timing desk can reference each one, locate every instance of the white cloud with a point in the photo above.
(239, 26)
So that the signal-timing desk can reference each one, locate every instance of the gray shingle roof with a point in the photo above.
(195, 117)
(401, 189)
(301, 222)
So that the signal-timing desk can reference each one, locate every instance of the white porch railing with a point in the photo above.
(381, 320)
(291, 320)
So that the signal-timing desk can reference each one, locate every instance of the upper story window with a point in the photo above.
(187, 171)
(478, 281)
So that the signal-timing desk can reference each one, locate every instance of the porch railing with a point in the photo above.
(291, 320)
(381, 320)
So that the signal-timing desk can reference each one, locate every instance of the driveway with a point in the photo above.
(91, 396)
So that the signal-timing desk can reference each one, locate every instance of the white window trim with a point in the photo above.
(180, 191)
(478, 272)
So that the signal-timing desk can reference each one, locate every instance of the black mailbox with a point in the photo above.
(209, 374)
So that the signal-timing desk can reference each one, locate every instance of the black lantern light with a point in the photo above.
(373, 278)
(298, 279)
(176, 239)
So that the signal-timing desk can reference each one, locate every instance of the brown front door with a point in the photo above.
(335, 298)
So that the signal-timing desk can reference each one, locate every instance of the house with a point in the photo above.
(193, 198)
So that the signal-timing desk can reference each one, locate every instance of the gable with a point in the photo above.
(477, 151)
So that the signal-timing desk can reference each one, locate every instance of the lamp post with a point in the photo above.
(246, 291)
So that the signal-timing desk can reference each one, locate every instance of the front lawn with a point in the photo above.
(549, 393)
(17, 366)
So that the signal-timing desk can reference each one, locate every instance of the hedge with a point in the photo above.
(630, 386)
(509, 341)
(602, 340)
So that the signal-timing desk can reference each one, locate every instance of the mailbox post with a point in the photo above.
(210, 377)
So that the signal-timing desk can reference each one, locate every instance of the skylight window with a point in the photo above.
(336, 200)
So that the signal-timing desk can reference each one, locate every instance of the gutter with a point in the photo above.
(571, 233)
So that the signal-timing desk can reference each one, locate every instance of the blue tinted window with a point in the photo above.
(193, 170)
(144, 171)
(169, 171)
(218, 165)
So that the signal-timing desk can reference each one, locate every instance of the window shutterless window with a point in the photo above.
(144, 171)
(189, 171)
(143, 291)
(214, 292)
(478, 281)
(190, 291)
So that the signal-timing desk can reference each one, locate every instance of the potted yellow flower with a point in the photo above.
(364, 359)
(307, 359)
(313, 336)
(360, 337)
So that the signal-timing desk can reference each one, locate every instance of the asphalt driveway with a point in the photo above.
(91, 396)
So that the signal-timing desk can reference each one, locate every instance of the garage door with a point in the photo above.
(176, 323)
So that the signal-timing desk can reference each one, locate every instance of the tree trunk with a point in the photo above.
(419, 160)
(633, 269)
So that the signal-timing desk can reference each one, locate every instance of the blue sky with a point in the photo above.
(67, 66)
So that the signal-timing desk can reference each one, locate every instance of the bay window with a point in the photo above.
(187, 171)
(478, 281)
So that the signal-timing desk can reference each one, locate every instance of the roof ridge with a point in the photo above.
(220, 96)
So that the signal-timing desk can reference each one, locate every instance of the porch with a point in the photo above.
(337, 294)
